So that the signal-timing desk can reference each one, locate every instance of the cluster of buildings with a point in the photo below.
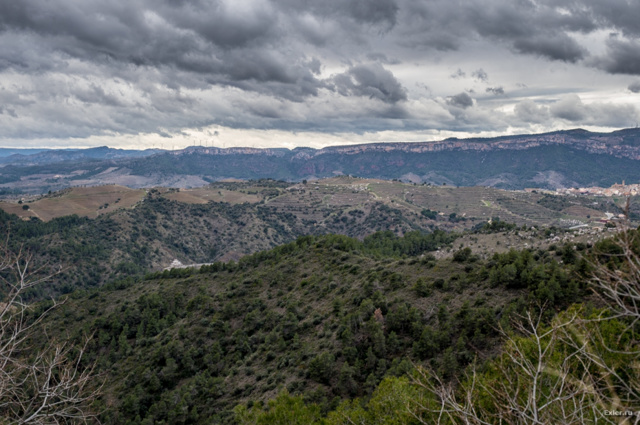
(615, 190)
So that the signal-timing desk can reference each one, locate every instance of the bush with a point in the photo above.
(462, 255)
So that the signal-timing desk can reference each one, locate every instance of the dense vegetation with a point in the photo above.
(325, 318)
(576, 368)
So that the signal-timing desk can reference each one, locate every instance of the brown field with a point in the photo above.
(202, 195)
(476, 204)
(580, 211)
(83, 201)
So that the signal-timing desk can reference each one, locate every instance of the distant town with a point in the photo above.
(618, 189)
(621, 189)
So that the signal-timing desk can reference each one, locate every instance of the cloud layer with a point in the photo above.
(73, 70)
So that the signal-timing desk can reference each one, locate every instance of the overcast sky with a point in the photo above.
(285, 73)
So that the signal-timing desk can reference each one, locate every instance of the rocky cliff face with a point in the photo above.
(231, 151)
(621, 144)
(609, 144)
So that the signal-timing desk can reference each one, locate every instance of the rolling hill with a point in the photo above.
(327, 317)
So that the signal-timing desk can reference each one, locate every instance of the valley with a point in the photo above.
(327, 317)
(319, 293)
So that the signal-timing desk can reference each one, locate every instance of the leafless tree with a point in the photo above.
(40, 383)
(581, 368)
(620, 286)
(560, 373)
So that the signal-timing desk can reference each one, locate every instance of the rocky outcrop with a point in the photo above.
(615, 144)
(611, 144)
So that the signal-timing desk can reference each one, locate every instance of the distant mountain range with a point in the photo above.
(551, 160)
(4, 152)
(49, 156)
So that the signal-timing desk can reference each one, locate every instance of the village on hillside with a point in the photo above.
(621, 189)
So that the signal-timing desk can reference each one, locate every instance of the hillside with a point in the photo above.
(327, 317)
(318, 200)
(126, 232)
(551, 160)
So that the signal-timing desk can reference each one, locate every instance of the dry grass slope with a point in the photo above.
(83, 201)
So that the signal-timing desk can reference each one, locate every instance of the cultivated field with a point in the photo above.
(83, 201)
(202, 195)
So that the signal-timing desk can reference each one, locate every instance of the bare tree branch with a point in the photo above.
(45, 384)
(572, 371)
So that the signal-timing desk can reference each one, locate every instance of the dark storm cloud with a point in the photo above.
(524, 26)
(552, 46)
(71, 67)
(119, 27)
(382, 58)
(370, 80)
(198, 43)
(623, 15)
(216, 23)
(196, 37)
(461, 100)
(96, 94)
(623, 57)
(433, 25)
(536, 36)
(376, 12)
(634, 87)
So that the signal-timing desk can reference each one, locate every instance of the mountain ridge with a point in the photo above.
(590, 141)
(46, 156)
(576, 158)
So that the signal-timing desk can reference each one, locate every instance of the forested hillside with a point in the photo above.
(572, 366)
(325, 317)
